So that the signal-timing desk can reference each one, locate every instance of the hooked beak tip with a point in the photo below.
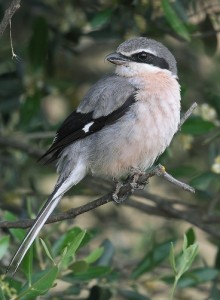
(116, 58)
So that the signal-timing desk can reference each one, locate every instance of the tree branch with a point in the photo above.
(70, 214)
(125, 191)
(15, 4)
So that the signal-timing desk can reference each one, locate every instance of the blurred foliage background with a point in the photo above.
(61, 47)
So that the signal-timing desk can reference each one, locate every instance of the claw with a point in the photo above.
(137, 186)
(115, 196)
(136, 174)
(117, 189)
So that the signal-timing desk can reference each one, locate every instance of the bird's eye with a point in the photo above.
(142, 56)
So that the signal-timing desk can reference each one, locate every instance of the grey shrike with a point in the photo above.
(126, 120)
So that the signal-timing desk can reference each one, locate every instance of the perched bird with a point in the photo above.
(126, 120)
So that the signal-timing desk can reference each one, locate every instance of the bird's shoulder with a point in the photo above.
(105, 103)
(106, 95)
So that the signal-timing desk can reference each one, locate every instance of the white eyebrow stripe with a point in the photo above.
(137, 51)
(87, 126)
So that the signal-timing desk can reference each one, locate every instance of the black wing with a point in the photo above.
(73, 128)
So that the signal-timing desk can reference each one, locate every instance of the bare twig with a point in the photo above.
(160, 171)
(15, 4)
(70, 214)
(187, 114)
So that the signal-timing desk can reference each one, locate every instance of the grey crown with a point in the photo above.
(161, 51)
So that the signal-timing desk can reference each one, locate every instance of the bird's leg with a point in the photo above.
(133, 179)
(118, 185)
(135, 174)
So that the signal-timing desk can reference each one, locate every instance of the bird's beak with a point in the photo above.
(117, 58)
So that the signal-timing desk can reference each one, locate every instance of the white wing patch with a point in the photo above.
(87, 126)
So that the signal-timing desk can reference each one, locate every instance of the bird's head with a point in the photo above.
(140, 56)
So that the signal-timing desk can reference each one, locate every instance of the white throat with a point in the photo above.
(133, 69)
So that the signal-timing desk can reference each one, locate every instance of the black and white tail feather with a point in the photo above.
(61, 188)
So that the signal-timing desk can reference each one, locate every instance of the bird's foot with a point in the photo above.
(123, 191)
(119, 199)
(135, 174)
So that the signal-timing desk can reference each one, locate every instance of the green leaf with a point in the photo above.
(91, 273)
(101, 18)
(197, 276)
(152, 259)
(74, 245)
(94, 255)
(79, 266)
(27, 264)
(67, 238)
(71, 249)
(47, 250)
(196, 125)
(184, 261)
(41, 283)
(191, 237)
(4, 243)
(187, 258)
(174, 20)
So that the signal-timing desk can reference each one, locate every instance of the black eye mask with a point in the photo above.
(151, 59)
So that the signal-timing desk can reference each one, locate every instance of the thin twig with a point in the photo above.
(14, 55)
(70, 214)
(187, 114)
(160, 171)
(15, 4)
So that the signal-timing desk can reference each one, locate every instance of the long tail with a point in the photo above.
(61, 188)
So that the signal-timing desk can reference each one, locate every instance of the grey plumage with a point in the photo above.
(102, 99)
(125, 120)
